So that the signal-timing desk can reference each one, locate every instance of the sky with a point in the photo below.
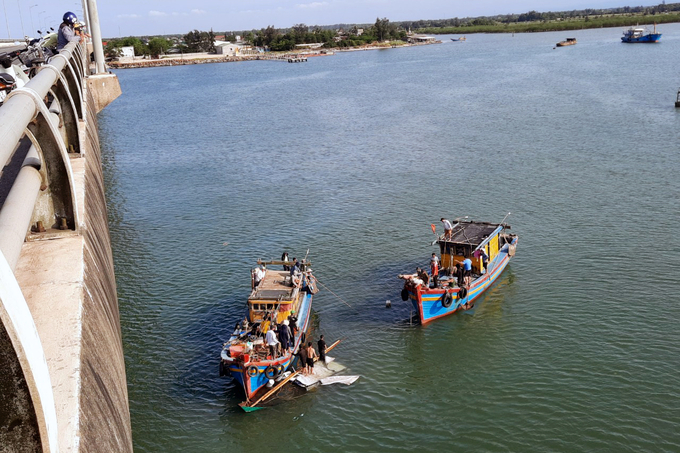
(160, 17)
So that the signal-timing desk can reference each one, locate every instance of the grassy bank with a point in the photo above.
(558, 25)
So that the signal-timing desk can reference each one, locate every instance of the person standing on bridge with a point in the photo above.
(67, 32)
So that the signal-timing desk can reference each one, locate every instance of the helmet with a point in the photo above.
(70, 18)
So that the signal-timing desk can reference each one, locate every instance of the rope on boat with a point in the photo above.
(329, 290)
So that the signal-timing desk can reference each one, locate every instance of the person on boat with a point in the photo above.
(311, 354)
(457, 272)
(284, 336)
(434, 269)
(67, 31)
(302, 359)
(321, 344)
(292, 324)
(296, 277)
(258, 275)
(284, 258)
(271, 341)
(485, 259)
(467, 271)
(448, 228)
(422, 275)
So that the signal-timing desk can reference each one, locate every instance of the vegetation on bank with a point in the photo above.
(573, 24)
(278, 40)
(386, 33)
(534, 21)
(154, 47)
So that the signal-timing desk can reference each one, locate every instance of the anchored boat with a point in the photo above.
(487, 246)
(281, 298)
(634, 34)
(567, 42)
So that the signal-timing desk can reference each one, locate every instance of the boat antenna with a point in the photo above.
(504, 218)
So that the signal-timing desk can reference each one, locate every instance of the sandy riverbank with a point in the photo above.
(202, 58)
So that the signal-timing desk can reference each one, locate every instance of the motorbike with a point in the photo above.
(7, 84)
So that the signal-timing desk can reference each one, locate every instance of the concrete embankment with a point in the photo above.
(69, 285)
(63, 385)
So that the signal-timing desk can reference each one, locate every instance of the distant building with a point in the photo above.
(315, 45)
(234, 49)
(127, 52)
(420, 39)
(227, 48)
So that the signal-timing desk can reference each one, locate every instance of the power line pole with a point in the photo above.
(9, 35)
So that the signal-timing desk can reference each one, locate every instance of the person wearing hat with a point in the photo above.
(79, 28)
(67, 31)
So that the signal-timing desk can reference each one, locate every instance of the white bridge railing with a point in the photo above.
(40, 129)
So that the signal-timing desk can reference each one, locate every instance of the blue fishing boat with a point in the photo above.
(634, 34)
(281, 298)
(487, 248)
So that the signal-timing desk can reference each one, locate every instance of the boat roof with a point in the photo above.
(472, 232)
(273, 287)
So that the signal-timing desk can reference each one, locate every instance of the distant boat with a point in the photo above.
(634, 34)
(677, 99)
(567, 42)
(462, 38)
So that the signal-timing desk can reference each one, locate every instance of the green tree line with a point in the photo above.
(154, 47)
(285, 40)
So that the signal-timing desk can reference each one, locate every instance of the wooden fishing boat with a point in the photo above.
(567, 42)
(476, 241)
(279, 299)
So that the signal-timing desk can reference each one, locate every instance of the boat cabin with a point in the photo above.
(469, 236)
(275, 295)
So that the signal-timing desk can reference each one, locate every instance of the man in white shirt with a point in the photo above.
(448, 228)
(272, 342)
(258, 275)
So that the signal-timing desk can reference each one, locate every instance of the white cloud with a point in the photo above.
(197, 11)
(128, 16)
(311, 5)
(157, 13)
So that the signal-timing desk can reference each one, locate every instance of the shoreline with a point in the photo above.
(204, 58)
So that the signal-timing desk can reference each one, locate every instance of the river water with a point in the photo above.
(353, 156)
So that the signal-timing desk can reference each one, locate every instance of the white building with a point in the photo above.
(127, 52)
(227, 48)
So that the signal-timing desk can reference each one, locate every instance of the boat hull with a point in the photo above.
(252, 376)
(652, 37)
(429, 303)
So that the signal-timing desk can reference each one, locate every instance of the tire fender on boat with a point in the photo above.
(447, 300)
(462, 292)
(404, 294)
(252, 370)
(271, 372)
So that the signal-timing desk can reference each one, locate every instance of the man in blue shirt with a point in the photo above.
(467, 269)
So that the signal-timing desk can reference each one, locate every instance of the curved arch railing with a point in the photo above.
(40, 129)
